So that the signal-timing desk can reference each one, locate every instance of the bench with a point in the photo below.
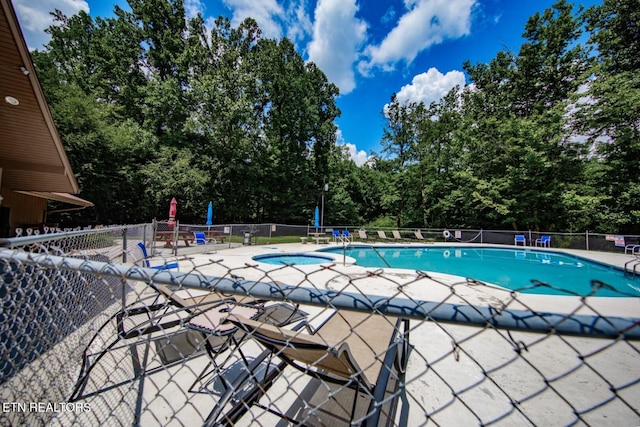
(304, 240)
(320, 240)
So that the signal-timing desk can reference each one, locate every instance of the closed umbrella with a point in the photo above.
(210, 214)
(173, 211)
(316, 221)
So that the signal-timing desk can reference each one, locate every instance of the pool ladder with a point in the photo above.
(633, 262)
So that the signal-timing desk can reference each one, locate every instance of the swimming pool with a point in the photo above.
(297, 259)
(509, 268)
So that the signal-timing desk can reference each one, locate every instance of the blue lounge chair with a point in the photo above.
(146, 263)
(346, 237)
(544, 241)
(520, 239)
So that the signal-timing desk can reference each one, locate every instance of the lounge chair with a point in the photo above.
(382, 235)
(165, 310)
(418, 235)
(361, 351)
(519, 238)
(396, 235)
(145, 260)
(543, 241)
(362, 235)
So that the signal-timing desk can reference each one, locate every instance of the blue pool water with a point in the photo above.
(509, 268)
(297, 259)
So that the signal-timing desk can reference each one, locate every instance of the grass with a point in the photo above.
(266, 240)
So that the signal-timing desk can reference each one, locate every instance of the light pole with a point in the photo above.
(325, 187)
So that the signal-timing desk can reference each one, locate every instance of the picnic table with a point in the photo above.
(167, 237)
(215, 235)
(187, 236)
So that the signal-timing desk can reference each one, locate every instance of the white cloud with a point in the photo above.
(275, 18)
(430, 86)
(337, 38)
(267, 13)
(193, 7)
(34, 17)
(359, 157)
(299, 23)
(426, 23)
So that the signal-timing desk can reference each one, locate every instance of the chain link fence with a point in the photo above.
(182, 234)
(91, 334)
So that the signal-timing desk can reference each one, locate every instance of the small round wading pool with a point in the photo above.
(293, 259)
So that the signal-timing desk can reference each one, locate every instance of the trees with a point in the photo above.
(169, 111)
(609, 112)
(151, 106)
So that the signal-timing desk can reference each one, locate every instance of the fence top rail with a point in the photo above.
(40, 238)
(568, 324)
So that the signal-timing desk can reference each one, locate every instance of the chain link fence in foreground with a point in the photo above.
(91, 335)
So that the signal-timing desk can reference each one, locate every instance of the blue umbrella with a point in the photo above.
(317, 218)
(210, 214)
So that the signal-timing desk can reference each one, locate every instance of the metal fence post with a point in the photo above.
(123, 282)
(176, 233)
(154, 229)
(144, 236)
(124, 245)
(587, 238)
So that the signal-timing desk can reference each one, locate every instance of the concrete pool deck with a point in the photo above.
(344, 275)
(462, 374)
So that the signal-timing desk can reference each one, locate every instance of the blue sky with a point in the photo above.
(369, 48)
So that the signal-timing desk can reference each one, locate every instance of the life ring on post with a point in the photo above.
(446, 234)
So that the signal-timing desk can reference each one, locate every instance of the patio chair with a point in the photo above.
(346, 236)
(382, 235)
(396, 235)
(361, 351)
(362, 235)
(163, 311)
(543, 241)
(519, 238)
(145, 260)
(336, 236)
(418, 235)
(199, 238)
